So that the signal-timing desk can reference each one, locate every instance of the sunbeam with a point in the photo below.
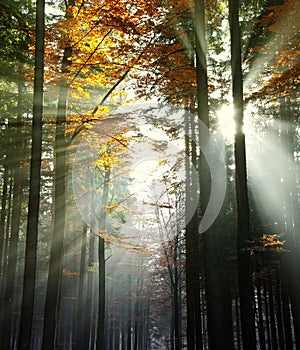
(226, 124)
(273, 176)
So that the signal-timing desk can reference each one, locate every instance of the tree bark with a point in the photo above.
(3, 213)
(261, 328)
(85, 334)
(244, 261)
(81, 310)
(192, 255)
(101, 257)
(34, 189)
(129, 327)
(286, 313)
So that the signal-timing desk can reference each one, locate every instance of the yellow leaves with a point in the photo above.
(267, 243)
(107, 160)
(271, 241)
(106, 39)
(110, 208)
(162, 162)
(82, 92)
(109, 154)
(31, 47)
(103, 109)
(72, 11)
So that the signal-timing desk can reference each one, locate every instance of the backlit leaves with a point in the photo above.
(282, 69)
(267, 243)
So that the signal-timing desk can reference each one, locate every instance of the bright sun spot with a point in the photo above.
(226, 124)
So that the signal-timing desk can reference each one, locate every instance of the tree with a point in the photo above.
(101, 257)
(34, 190)
(244, 262)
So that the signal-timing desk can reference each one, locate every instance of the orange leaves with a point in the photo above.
(282, 52)
(287, 13)
(110, 208)
(106, 40)
(113, 41)
(267, 243)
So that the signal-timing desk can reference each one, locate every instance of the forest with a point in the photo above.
(150, 174)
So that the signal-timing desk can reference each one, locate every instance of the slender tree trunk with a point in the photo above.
(89, 299)
(123, 326)
(5, 247)
(286, 312)
(81, 310)
(101, 305)
(117, 334)
(192, 242)
(244, 261)
(267, 316)
(129, 313)
(136, 323)
(238, 324)
(261, 329)
(3, 213)
(4, 266)
(279, 317)
(101, 256)
(292, 221)
(34, 189)
(177, 333)
(272, 314)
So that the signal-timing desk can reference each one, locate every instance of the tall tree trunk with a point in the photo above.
(291, 217)
(261, 328)
(82, 301)
(279, 315)
(34, 189)
(272, 314)
(192, 250)
(176, 296)
(5, 248)
(86, 331)
(286, 313)
(244, 261)
(267, 315)
(4, 213)
(219, 318)
(101, 301)
(129, 327)
(14, 235)
(101, 256)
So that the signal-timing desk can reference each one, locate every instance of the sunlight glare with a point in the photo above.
(146, 174)
(225, 122)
